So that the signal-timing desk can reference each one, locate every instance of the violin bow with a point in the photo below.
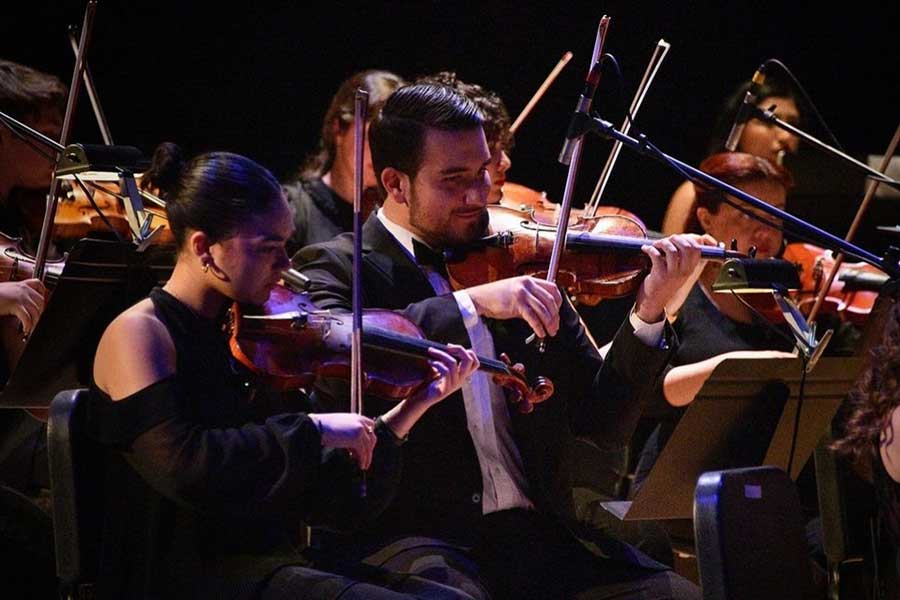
(851, 233)
(563, 223)
(656, 60)
(91, 90)
(361, 106)
(541, 91)
(40, 258)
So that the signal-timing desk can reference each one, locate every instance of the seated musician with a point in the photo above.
(491, 483)
(597, 472)
(206, 475)
(714, 326)
(36, 99)
(758, 138)
(322, 196)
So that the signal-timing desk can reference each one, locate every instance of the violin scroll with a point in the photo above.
(518, 391)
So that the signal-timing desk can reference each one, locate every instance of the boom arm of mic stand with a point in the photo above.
(24, 129)
(820, 236)
(770, 117)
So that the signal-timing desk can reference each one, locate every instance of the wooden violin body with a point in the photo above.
(291, 343)
(546, 212)
(604, 262)
(77, 218)
(16, 264)
(814, 266)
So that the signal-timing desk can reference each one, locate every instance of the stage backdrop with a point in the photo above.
(257, 79)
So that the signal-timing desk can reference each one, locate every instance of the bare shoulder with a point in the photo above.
(135, 351)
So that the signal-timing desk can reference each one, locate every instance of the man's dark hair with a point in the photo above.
(397, 133)
(496, 117)
(25, 93)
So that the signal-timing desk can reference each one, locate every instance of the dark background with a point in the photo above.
(255, 78)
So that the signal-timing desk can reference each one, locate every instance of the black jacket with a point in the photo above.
(440, 491)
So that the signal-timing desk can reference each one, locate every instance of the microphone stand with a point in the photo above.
(769, 116)
(20, 129)
(803, 333)
(642, 145)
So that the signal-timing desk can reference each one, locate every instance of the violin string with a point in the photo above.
(90, 198)
(412, 345)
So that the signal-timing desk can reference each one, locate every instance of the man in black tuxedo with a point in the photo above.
(493, 483)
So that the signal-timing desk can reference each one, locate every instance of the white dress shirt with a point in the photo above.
(487, 411)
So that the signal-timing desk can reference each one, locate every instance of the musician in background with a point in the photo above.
(38, 100)
(26, 553)
(758, 138)
(709, 325)
(322, 196)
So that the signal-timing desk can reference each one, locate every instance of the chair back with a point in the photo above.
(77, 480)
(750, 536)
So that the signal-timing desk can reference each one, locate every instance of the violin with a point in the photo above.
(77, 218)
(291, 343)
(814, 266)
(157, 212)
(605, 262)
(546, 212)
(17, 265)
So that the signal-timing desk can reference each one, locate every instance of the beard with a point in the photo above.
(443, 231)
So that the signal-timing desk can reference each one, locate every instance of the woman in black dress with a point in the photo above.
(206, 476)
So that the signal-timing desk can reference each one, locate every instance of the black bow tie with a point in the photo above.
(428, 257)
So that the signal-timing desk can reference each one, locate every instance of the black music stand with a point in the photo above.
(100, 279)
(746, 411)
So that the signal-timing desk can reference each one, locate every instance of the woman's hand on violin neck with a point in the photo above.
(24, 300)
(451, 370)
(537, 301)
(674, 261)
(356, 433)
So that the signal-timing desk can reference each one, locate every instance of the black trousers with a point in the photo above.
(524, 554)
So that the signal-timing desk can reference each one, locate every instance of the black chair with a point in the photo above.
(750, 536)
(77, 479)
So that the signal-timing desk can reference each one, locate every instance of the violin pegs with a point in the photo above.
(734, 245)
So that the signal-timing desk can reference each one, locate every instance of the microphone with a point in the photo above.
(581, 116)
(747, 106)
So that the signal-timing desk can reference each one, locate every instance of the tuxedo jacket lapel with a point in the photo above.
(400, 276)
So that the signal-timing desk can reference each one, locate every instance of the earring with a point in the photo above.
(204, 266)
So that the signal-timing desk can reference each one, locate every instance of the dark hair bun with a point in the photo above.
(165, 169)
